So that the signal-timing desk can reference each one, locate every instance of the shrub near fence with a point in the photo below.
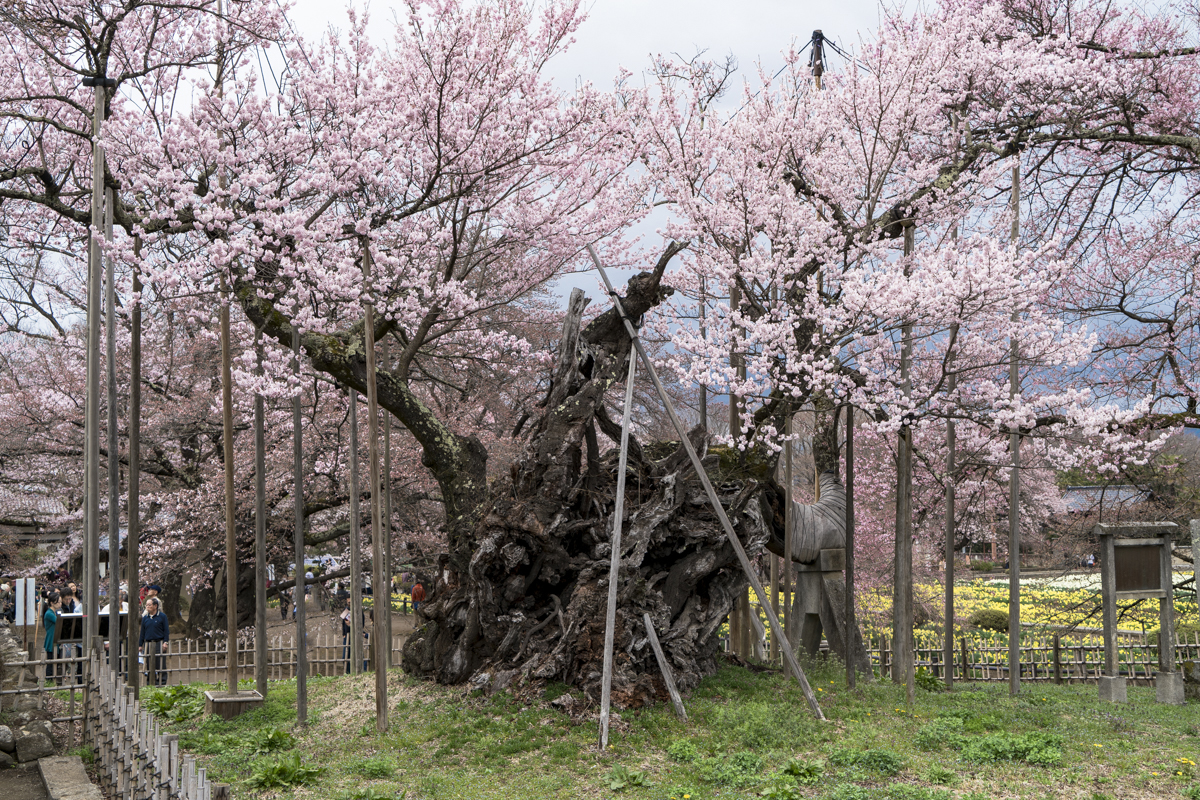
(1043, 658)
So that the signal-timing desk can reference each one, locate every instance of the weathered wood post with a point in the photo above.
(851, 624)
(133, 577)
(1194, 525)
(380, 585)
(614, 560)
(903, 670)
(356, 606)
(1014, 484)
(1058, 659)
(260, 530)
(298, 543)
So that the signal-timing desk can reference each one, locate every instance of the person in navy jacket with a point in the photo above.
(155, 633)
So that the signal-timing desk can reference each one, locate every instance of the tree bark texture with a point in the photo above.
(530, 602)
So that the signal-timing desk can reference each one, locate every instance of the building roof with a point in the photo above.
(28, 507)
(1082, 499)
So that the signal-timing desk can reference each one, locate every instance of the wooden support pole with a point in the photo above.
(385, 496)
(379, 579)
(91, 447)
(231, 561)
(902, 597)
(614, 560)
(851, 626)
(298, 542)
(789, 617)
(133, 576)
(1014, 489)
(951, 444)
(356, 585)
(260, 530)
(665, 668)
(737, 620)
(730, 535)
(114, 462)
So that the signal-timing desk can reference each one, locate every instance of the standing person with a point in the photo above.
(285, 600)
(50, 623)
(149, 593)
(155, 631)
(418, 597)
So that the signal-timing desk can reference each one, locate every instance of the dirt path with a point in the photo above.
(22, 783)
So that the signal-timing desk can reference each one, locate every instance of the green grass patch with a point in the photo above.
(750, 735)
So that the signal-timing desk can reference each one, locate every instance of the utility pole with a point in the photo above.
(902, 600)
(1014, 483)
(133, 626)
(379, 591)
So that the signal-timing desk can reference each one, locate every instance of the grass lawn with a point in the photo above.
(750, 735)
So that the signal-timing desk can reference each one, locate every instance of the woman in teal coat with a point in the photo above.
(50, 622)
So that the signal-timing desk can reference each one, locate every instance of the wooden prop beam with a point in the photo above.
(776, 629)
(665, 668)
(614, 561)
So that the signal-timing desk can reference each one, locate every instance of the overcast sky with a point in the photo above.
(625, 33)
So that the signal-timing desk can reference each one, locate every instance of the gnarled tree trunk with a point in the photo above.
(529, 604)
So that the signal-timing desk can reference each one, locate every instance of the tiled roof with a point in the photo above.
(17, 506)
(1089, 498)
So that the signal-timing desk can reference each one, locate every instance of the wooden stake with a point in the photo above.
(665, 668)
(735, 543)
(379, 584)
(614, 560)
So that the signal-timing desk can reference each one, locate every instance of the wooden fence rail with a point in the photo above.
(135, 760)
(205, 660)
(1054, 658)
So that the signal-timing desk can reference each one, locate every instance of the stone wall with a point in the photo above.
(25, 727)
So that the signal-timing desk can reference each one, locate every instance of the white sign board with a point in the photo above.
(26, 601)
